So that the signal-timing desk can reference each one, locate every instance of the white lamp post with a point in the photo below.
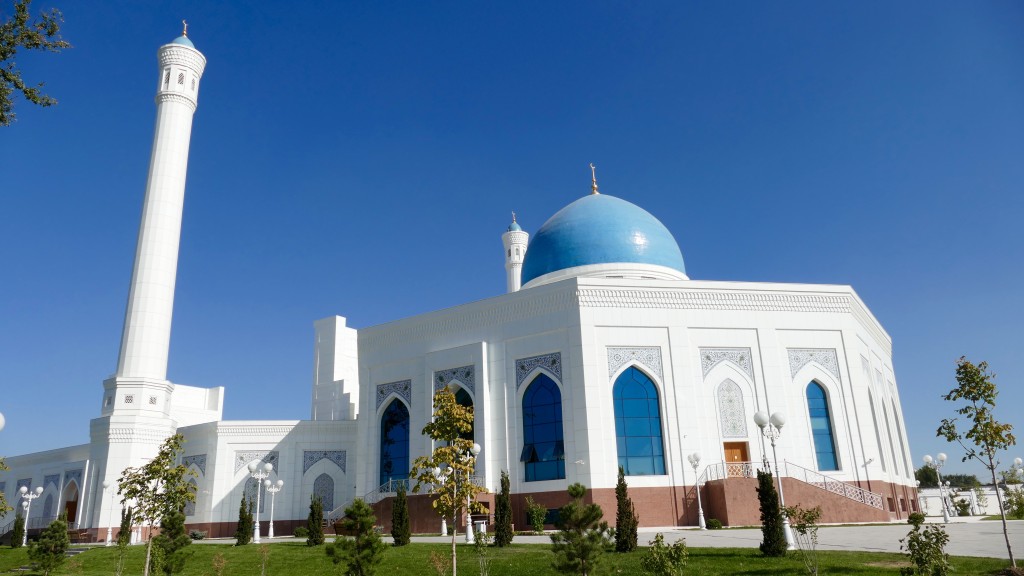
(771, 428)
(110, 528)
(28, 497)
(260, 473)
(273, 488)
(936, 464)
(695, 462)
(442, 476)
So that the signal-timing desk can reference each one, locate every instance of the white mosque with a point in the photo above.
(602, 353)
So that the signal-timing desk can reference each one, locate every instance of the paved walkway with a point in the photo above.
(966, 538)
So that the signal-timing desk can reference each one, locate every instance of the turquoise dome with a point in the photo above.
(600, 229)
(514, 227)
(184, 41)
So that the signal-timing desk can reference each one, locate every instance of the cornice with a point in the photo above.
(176, 97)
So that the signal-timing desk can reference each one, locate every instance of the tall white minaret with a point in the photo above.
(515, 241)
(139, 407)
(145, 341)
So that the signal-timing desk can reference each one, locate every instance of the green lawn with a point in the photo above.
(295, 559)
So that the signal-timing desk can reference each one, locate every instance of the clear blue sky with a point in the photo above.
(362, 159)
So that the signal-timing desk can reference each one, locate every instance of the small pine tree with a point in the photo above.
(243, 534)
(581, 537)
(773, 537)
(124, 533)
(172, 541)
(626, 521)
(503, 514)
(315, 522)
(364, 551)
(400, 530)
(49, 552)
(19, 531)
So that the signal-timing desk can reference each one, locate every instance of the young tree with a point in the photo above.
(664, 560)
(172, 541)
(453, 454)
(50, 551)
(926, 549)
(581, 537)
(503, 514)
(364, 551)
(805, 524)
(986, 437)
(244, 531)
(626, 521)
(16, 33)
(315, 522)
(18, 534)
(773, 541)
(124, 539)
(157, 488)
(400, 530)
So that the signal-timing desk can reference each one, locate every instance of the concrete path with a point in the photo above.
(966, 538)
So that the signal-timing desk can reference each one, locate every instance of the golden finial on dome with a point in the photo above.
(184, 28)
(513, 217)
(593, 179)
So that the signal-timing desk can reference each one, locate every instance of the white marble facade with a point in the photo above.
(716, 353)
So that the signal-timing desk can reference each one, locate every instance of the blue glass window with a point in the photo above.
(638, 424)
(821, 427)
(462, 398)
(543, 446)
(394, 442)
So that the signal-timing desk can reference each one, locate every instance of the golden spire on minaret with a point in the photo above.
(593, 179)
(513, 217)
(184, 28)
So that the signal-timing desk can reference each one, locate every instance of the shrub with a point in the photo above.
(714, 524)
(364, 551)
(962, 507)
(1015, 502)
(926, 549)
(664, 560)
(626, 521)
(243, 533)
(805, 523)
(19, 531)
(915, 518)
(49, 552)
(582, 537)
(172, 542)
(400, 530)
(300, 532)
(773, 541)
(315, 522)
(503, 514)
(535, 513)
(197, 534)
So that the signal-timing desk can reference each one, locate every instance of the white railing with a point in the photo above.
(832, 485)
(723, 470)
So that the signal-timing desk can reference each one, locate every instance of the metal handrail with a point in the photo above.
(833, 485)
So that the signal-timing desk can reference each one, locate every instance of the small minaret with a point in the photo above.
(515, 250)
(146, 339)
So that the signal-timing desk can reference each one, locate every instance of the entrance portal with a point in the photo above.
(737, 460)
(71, 502)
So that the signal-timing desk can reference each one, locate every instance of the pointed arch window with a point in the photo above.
(323, 487)
(190, 507)
(462, 398)
(638, 424)
(821, 427)
(48, 506)
(892, 445)
(394, 442)
(543, 443)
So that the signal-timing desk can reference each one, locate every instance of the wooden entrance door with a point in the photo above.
(737, 460)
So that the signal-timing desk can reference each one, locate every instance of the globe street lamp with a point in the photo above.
(27, 498)
(695, 462)
(273, 488)
(3, 421)
(260, 473)
(110, 527)
(936, 464)
(771, 428)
